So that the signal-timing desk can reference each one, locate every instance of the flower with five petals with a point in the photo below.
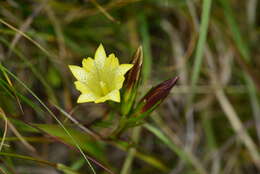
(101, 78)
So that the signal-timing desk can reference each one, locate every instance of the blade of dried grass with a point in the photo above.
(102, 10)
(238, 126)
(26, 24)
(173, 140)
(58, 30)
(34, 70)
(230, 111)
(184, 155)
(2, 114)
(26, 36)
(14, 130)
(244, 51)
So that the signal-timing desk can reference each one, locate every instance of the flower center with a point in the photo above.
(104, 88)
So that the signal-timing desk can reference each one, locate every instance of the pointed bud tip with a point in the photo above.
(138, 56)
(158, 93)
(133, 75)
(168, 84)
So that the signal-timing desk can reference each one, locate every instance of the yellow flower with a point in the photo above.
(101, 78)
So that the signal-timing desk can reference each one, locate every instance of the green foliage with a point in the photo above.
(208, 123)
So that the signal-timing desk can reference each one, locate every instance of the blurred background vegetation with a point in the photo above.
(210, 123)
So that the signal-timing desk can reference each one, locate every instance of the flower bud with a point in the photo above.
(133, 76)
(132, 81)
(156, 95)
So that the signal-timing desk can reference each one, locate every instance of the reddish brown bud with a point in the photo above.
(132, 82)
(157, 94)
(133, 75)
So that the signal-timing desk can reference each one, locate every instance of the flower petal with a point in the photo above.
(82, 87)
(119, 80)
(86, 98)
(123, 68)
(79, 73)
(111, 62)
(100, 56)
(101, 100)
(88, 64)
(114, 96)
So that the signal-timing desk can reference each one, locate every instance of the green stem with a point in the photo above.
(200, 46)
(120, 128)
(29, 158)
(126, 169)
